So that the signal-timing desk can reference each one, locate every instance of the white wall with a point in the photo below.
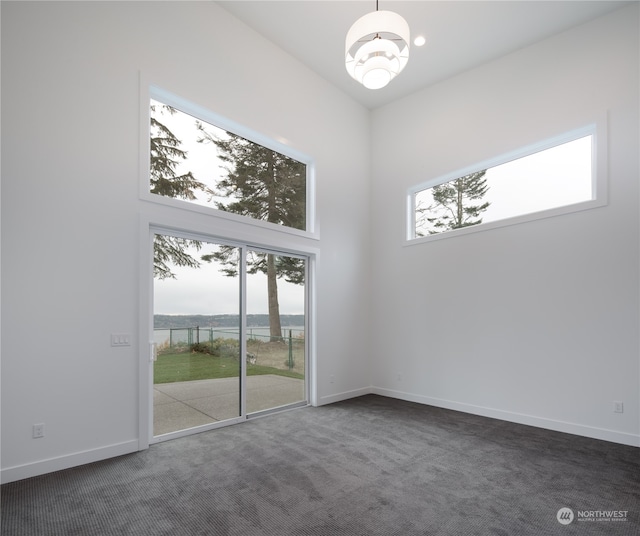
(71, 207)
(536, 322)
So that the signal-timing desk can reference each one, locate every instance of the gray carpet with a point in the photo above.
(368, 466)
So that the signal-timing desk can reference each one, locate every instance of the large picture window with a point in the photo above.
(195, 161)
(560, 177)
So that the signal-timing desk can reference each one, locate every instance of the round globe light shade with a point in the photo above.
(376, 73)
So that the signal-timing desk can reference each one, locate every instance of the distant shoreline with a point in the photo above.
(228, 320)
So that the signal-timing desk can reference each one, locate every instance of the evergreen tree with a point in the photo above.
(166, 155)
(265, 185)
(452, 206)
(171, 251)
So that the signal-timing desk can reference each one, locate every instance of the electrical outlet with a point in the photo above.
(618, 407)
(38, 431)
(331, 379)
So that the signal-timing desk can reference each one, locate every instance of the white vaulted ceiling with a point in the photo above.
(460, 34)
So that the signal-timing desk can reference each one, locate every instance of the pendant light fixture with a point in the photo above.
(377, 48)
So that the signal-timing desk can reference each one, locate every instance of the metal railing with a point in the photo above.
(172, 339)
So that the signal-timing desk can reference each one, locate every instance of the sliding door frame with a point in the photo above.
(148, 229)
(307, 330)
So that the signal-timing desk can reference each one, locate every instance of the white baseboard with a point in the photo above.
(20, 472)
(330, 399)
(529, 420)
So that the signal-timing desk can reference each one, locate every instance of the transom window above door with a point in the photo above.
(192, 160)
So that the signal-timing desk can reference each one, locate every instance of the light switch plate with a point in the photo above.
(120, 339)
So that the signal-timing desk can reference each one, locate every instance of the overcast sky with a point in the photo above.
(206, 290)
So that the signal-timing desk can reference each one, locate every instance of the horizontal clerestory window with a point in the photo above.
(551, 178)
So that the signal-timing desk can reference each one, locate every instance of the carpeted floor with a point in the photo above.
(370, 466)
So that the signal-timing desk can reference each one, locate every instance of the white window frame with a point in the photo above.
(150, 91)
(599, 179)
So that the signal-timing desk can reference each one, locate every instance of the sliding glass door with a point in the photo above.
(275, 340)
(229, 332)
(197, 327)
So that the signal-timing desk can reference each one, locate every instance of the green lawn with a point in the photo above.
(190, 366)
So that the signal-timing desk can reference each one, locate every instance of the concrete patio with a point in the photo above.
(182, 405)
